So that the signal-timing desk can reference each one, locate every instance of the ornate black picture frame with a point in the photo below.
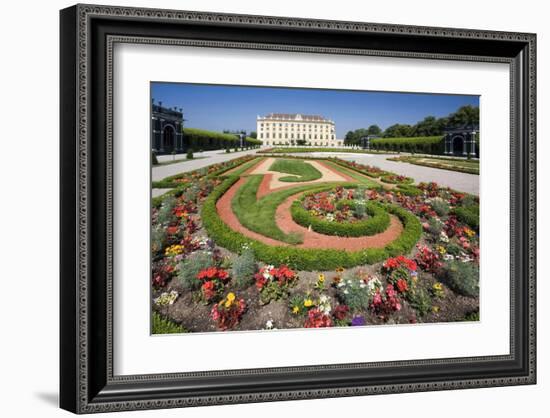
(87, 35)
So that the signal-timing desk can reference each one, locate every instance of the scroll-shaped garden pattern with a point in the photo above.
(268, 242)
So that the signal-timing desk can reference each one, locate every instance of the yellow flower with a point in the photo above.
(321, 278)
(435, 309)
(441, 250)
(296, 309)
(308, 303)
(469, 232)
(174, 250)
(230, 299)
(438, 286)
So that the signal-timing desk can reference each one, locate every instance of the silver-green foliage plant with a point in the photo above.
(190, 268)
(244, 268)
(166, 211)
(158, 238)
(355, 293)
(463, 277)
(440, 206)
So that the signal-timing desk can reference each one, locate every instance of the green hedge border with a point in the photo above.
(305, 258)
(378, 222)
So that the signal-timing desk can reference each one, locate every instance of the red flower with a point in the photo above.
(341, 312)
(402, 286)
(172, 230)
(213, 273)
(208, 290)
(317, 319)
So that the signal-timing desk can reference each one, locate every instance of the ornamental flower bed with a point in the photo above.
(336, 206)
(213, 280)
(433, 278)
(274, 282)
(396, 179)
(228, 312)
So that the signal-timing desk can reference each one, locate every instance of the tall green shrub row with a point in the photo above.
(210, 140)
(422, 144)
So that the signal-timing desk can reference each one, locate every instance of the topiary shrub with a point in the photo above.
(191, 266)
(462, 277)
(244, 268)
(190, 154)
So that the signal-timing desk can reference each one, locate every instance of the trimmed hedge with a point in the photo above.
(285, 150)
(305, 258)
(421, 144)
(210, 140)
(409, 190)
(378, 222)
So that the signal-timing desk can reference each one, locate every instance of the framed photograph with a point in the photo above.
(262, 208)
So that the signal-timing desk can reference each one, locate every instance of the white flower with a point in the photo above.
(373, 284)
(269, 324)
(443, 237)
(166, 298)
(448, 257)
(346, 291)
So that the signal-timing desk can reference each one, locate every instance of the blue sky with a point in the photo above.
(219, 107)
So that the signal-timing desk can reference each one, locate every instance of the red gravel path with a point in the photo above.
(265, 185)
(312, 239)
(223, 205)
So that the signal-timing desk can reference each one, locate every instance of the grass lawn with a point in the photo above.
(361, 178)
(452, 164)
(300, 170)
(259, 215)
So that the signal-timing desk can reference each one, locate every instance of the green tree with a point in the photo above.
(429, 126)
(374, 130)
(254, 135)
(465, 115)
(398, 131)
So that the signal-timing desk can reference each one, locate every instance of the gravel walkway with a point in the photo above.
(209, 158)
(463, 182)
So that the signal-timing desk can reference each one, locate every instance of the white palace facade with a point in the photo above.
(289, 129)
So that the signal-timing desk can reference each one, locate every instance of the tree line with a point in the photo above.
(428, 127)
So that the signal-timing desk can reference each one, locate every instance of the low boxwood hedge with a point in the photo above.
(409, 190)
(305, 258)
(378, 221)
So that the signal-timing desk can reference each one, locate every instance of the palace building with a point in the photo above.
(296, 129)
(166, 126)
